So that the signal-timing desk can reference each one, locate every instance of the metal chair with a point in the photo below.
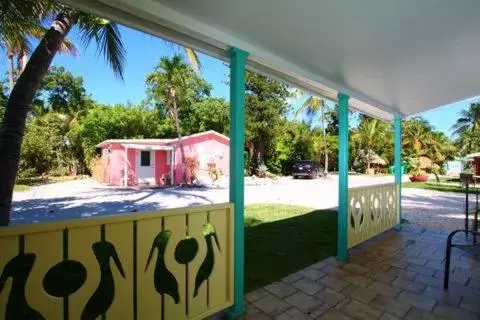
(473, 247)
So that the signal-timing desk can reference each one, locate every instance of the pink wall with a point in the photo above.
(205, 148)
(116, 164)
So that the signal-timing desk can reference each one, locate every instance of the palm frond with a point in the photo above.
(108, 39)
(194, 59)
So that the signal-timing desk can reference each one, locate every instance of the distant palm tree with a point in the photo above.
(20, 47)
(469, 120)
(172, 79)
(311, 107)
(16, 16)
(416, 136)
(369, 133)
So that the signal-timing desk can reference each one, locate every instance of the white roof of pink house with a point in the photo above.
(108, 142)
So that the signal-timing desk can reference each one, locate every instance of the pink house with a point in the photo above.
(158, 161)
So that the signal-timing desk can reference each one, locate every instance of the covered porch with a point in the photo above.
(386, 60)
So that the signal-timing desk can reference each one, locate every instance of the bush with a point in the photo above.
(192, 168)
(262, 171)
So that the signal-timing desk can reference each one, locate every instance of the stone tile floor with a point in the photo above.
(397, 275)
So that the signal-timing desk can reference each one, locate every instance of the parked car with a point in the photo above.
(307, 168)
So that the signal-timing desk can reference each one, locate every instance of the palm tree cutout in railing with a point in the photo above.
(19, 268)
(102, 298)
(164, 280)
(206, 267)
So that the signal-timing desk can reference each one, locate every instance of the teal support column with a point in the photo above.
(397, 124)
(342, 252)
(237, 168)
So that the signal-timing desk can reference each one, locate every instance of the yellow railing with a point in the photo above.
(372, 210)
(169, 264)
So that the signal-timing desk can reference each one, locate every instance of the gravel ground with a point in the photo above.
(87, 198)
(434, 209)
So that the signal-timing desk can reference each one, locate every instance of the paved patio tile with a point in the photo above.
(390, 305)
(303, 302)
(443, 297)
(280, 289)
(308, 286)
(319, 311)
(360, 281)
(471, 304)
(335, 315)
(313, 274)
(355, 269)
(449, 312)
(420, 314)
(361, 311)
(364, 295)
(255, 295)
(387, 316)
(330, 297)
(415, 260)
(422, 270)
(429, 281)
(408, 285)
(293, 277)
(271, 305)
(335, 272)
(384, 280)
(417, 300)
(292, 314)
(384, 289)
(332, 283)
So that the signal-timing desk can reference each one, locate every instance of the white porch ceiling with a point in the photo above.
(395, 56)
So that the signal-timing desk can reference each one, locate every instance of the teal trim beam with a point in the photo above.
(342, 252)
(237, 167)
(397, 124)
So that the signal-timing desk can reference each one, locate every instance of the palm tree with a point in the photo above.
(20, 47)
(170, 84)
(15, 17)
(311, 107)
(469, 120)
(416, 136)
(369, 133)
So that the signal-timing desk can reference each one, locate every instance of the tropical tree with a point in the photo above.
(415, 137)
(265, 109)
(469, 120)
(311, 108)
(103, 32)
(369, 134)
(174, 85)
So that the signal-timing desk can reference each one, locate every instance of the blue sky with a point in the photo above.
(144, 51)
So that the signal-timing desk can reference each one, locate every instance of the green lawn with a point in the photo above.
(282, 239)
(23, 184)
(433, 185)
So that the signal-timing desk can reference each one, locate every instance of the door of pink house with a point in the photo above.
(146, 167)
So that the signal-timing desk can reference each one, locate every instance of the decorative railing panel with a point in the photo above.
(169, 264)
(372, 210)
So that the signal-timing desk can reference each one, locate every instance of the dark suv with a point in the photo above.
(306, 168)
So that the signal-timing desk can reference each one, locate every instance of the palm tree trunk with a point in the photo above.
(179, 135)
(21, 97)
(324, 137)
(11, 70)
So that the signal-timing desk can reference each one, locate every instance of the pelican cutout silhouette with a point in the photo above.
(19, 268)
(102, 298)
(164, 280)
(206, 267)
